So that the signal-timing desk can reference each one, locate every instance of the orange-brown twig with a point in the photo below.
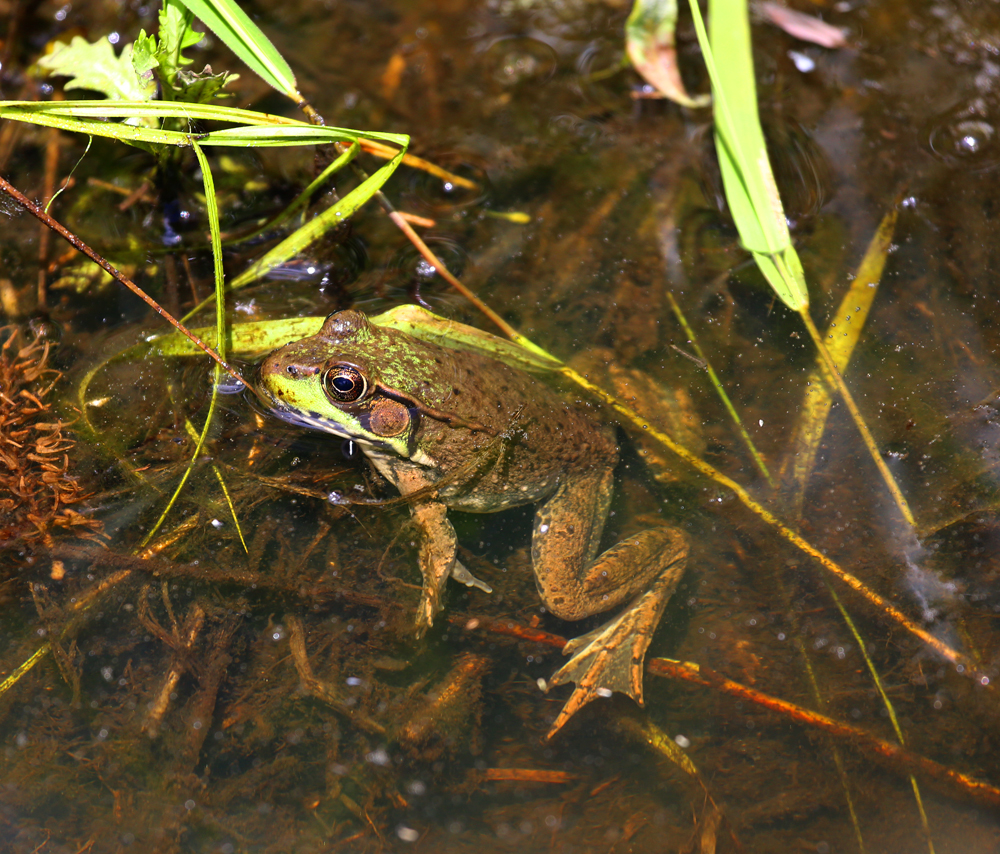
(893, 756)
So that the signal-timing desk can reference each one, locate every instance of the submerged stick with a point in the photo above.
(894, 756)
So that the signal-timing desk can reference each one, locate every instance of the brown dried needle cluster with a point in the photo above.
(36, 489)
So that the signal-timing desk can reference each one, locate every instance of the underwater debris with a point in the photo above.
(36, 487)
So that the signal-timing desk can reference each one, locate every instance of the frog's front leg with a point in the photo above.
(644, 568)
(438, 545)
(437, 557)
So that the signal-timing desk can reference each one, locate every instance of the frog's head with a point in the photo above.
(332, 382)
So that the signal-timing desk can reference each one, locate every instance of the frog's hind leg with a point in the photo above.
(610, 658)
(644, 568)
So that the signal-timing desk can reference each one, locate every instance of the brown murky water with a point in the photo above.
(193, 696)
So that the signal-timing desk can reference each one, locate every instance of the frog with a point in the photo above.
(458, 430)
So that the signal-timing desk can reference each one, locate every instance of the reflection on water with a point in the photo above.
(260, 688)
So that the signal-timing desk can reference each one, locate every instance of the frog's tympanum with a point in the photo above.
(454, 429)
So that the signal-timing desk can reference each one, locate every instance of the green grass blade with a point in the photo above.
(746, 171)
(244, 340)
(886, 703)
(229, 504)
(215, 235)
(720, 390)
(244, 38)
(212, 208)
(302, 199)
(256, 129)
(248, 340)
(333, 216)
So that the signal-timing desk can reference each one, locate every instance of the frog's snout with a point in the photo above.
(281, 368)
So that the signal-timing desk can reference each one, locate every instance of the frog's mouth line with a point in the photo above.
(314, 421)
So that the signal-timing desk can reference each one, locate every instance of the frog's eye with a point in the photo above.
(345, 383)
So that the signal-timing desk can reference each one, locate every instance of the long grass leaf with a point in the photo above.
(302, 199)
(244, 38)
(212, 208)
(313, 230)
(746, 171)
(720, 390)
(886, 703)
(90, 117)
(842, 337)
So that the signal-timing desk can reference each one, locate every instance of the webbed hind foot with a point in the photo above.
(610, 658)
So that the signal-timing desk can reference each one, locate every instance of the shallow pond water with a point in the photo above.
(193, 694)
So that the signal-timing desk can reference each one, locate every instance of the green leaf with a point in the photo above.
(245, 340)
(144, 50)
(843, 336)
(244, 38)
(176, 34)
(259, 129)
(248, 340)
(314, 229)
(422, 324)
(95, 66)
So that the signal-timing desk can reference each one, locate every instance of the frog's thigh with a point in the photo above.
(567, 533)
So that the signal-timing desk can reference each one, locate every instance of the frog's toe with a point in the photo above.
(605, 660)
(463, 576)
(430, 605)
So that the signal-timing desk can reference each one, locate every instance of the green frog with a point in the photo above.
(453, 428)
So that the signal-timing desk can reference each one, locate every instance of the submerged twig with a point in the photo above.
(893, 756)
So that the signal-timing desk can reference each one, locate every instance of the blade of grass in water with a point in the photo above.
(302, 199)
(746, 170)
(843, 334)
(753, 196)
(212, 209)
(887, 703)
(252, 130)
(316, 227)
(713, 378)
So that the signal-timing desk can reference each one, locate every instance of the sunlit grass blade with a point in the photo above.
(254, 129)
(842, 335)
(746, 171)
(243, 340)
(244, 38)
(426, 326)
(753, 196)
(248, 340)
(193, 434)
(212, 209)
(319, 225)
(886, 703)
(302, 199)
